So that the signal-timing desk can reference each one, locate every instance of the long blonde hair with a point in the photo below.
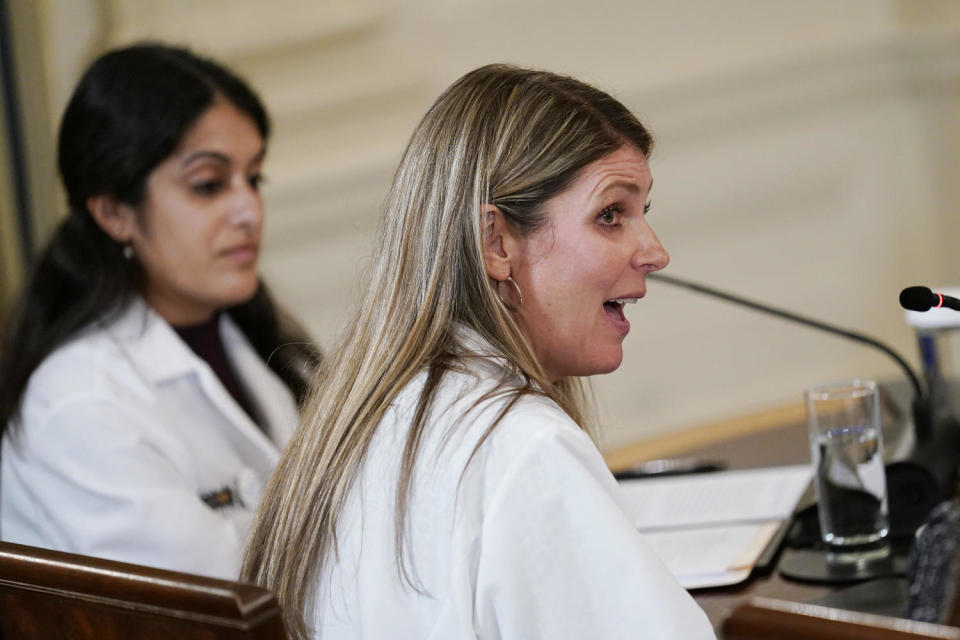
(503, 135)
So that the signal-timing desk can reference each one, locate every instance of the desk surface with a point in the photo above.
(785, 445)
(773, 438)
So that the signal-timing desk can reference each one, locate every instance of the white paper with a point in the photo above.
(710, 528)
(712, 556)
(700, 499)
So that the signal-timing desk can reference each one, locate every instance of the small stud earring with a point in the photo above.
(128, 252)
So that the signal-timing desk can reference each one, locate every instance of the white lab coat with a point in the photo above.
(537, 543)
(123, 430)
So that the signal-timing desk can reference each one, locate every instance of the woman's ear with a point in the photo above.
(499, 243)
(115, 218)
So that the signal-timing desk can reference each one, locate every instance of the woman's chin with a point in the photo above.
(241, 291)
(606, 363)
(608, 367)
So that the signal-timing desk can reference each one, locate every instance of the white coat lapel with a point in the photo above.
(276, 405)
(160, 355)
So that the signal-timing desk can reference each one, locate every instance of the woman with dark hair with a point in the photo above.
(147, 381)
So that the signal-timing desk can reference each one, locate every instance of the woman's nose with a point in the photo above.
(651, 254)
(246, 209)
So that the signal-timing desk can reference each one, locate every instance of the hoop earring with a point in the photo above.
(128, 252)
(519, 293)
(517, 287)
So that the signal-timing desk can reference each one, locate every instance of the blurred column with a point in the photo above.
(28, 184)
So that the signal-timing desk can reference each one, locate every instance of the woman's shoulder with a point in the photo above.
(93, 364)
(481, 386)
(498, 415)
(475, 395)
(502, 439)
(534, 429)
(77, 363)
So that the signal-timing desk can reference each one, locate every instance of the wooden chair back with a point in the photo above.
(50, 595)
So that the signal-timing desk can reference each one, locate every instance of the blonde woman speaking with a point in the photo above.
(441, 483)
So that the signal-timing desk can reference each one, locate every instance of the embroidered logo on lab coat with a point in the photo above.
(244, 492)
(219, 498)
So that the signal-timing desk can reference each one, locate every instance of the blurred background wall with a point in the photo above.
(807, 155)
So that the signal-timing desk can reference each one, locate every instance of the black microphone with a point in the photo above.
(923, 299)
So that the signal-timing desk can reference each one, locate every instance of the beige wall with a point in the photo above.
(806, 153)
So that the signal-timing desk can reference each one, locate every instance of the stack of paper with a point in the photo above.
(710, 528)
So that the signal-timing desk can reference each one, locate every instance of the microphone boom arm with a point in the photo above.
(852, 335)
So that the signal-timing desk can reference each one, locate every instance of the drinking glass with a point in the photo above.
(846, 447)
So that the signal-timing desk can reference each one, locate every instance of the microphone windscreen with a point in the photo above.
(916, 298)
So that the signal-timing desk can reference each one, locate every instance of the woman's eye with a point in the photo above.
(256, 181)
(206, 187)
(609, 215)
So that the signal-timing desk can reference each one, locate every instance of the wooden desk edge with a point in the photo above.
(680, 442)
(762, 618)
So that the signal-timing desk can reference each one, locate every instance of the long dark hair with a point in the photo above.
(127, 114)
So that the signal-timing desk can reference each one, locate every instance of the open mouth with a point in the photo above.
(615, 307)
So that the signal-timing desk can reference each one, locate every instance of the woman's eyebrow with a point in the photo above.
(629, 185)
(220, 158)
(257, 159)
(625, 184)
(209, 155)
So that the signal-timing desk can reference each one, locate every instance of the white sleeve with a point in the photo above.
(87, 481)
(561, 559)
